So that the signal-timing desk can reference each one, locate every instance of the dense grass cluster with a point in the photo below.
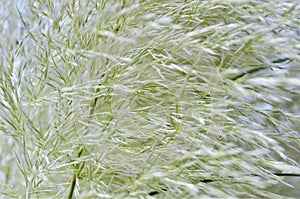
(149, 99)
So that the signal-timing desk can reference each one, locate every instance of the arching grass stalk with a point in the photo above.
(79, 166)
(77, 169)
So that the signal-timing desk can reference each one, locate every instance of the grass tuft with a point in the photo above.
(149, 99)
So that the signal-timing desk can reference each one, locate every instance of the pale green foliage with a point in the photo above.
(179, 99)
